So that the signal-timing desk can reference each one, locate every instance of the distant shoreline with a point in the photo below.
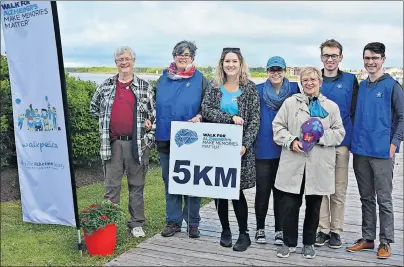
(96, 72)
(138, 73)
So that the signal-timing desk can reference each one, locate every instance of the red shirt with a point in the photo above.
(121, 122)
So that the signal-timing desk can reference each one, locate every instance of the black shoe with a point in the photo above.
(335, 241)
(243, 242)
(225, 238)
(170, 229)
(321, 239)
(260, 236)
(193, 231)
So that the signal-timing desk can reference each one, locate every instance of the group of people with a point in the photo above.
(296, 140)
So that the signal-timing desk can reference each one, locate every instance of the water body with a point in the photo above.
(98, 78)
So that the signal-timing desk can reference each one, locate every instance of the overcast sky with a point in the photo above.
(91, 31)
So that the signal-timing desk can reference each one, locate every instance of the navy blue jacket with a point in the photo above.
(265, 147)
(379, 118)
(342, 89)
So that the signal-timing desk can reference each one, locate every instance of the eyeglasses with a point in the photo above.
(326, 56)
(312, 80)
(185, 56)
(126, 59)
(371, 58)
(274, 71)
(231, 49)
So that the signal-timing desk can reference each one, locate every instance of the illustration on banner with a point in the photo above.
(38, 119)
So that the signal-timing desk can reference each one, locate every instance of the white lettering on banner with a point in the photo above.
(207, 166)
(39, 122)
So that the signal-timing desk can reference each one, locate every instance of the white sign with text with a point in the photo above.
(205, 160)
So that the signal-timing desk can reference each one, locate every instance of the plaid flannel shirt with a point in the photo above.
(101, 107)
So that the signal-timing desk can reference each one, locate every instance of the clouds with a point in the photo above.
(92, 30)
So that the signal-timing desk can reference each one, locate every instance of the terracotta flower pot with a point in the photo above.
(101, 242)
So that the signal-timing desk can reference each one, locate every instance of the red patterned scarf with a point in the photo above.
(174, 74)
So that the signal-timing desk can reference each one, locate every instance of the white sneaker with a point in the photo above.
(284, 251)
(138, 232)
(278, 238)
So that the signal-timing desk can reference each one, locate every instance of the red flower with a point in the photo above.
(104, 218)
(94, 206)
(85, 220)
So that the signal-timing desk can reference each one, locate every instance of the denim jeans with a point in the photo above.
(174, 211)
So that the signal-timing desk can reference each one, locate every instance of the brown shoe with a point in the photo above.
(383, 251)
(361, 244)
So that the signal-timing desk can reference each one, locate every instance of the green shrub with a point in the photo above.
(83, 127)
(7, 144)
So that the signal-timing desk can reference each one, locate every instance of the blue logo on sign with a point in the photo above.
(185, 137)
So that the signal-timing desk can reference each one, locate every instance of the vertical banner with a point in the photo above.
(47, 195)
(205, 159)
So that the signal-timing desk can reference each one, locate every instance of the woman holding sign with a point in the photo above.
(179, 93)
(308, 126)
(233, 98)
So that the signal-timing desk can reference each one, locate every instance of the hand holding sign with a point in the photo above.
(205, 159)
(243, 150)
(238, 120)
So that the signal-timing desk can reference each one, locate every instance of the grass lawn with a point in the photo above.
(28, 244)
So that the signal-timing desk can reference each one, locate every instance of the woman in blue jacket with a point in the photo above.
(273, 93)
(179, 93)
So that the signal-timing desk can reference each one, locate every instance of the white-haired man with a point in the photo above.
(125, 109)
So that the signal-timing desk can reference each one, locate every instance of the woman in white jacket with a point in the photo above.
(311, 172)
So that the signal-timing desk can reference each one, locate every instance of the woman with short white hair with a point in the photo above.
(308, 126)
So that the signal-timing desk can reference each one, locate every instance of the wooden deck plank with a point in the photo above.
(225, 256)
(262, 256)
(180, 250)
(349, 235)
(366, 256)
(132, 261)
(396, 255)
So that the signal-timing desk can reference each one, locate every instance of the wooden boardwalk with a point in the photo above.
(206, 251)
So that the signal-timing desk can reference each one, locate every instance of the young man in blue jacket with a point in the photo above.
(342, 88)
(377, 134)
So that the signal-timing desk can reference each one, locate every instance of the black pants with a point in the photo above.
(240, 209)
(266, 173)
(291, 205)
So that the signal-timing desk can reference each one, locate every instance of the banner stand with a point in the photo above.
(66, 114)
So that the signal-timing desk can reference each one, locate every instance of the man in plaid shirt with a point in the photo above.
(125, 109)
